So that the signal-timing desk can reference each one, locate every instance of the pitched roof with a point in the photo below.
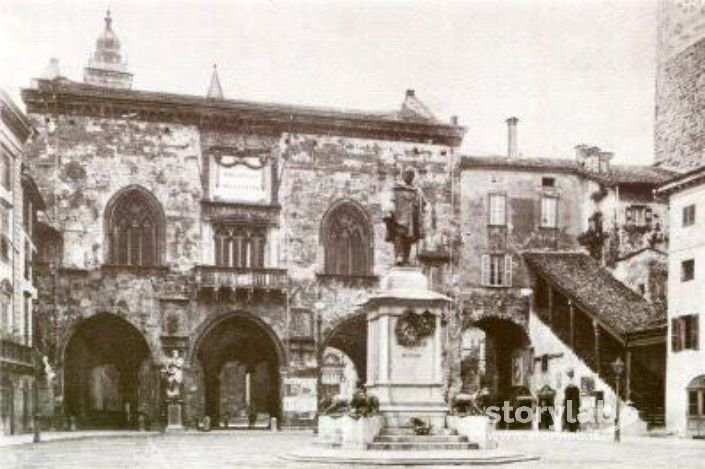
(632, 174)
(595, 290)
(617, 174)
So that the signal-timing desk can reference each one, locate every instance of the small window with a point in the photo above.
(687, 270)
(496, 270)
(5, 230)
(548, 182)
(638, 215)
(685, 333)
(6, 171)
(498, 209)
(689, 215)
(549, 212)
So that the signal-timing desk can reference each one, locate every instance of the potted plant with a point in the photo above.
(420, 427)
(469, 419)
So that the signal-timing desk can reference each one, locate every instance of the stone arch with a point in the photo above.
(103, 363)
(349, 335)
(347, 236)
(137, 206)
(507, 357)
(236, 362)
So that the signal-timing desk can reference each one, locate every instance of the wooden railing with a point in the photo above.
(236, 277)
(13, 352)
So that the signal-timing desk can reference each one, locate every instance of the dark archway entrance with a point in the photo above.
(104, 363)
(240, 359)
(506, 364)
(350, 337)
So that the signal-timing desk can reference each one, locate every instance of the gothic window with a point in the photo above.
(239, 246)
(347, 241)
(134, 222)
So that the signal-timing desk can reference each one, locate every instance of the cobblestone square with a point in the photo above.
(262, 449)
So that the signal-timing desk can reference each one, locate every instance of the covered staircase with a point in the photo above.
(600, 319)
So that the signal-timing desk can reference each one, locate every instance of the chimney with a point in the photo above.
(454, 120)
(410, 93)
(512, 144)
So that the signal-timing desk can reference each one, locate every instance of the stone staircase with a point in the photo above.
(404, 439)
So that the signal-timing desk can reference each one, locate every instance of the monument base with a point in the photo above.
(405, 349)
(174, 418)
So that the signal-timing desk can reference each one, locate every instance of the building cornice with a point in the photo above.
(682, 182)
(14, 118)
(62, 96)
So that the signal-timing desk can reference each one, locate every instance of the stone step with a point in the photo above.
(421, 439)
(410, 431)
(418, 446)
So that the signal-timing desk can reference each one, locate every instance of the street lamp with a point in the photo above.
(618, 368)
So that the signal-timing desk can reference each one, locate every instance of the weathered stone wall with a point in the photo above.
(680, 109)
(81, 162)
(319, 171)
(523, 191)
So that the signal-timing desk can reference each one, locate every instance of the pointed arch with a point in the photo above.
(134, 228)
(348, 240)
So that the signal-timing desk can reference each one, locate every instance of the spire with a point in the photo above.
(215, 91)
(106, 67)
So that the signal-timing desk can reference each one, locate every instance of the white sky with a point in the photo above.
(573, 71)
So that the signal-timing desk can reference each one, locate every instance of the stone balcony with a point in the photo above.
(15, 355)
(241, 278)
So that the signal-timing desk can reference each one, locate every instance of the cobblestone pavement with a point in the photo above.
(262, 449)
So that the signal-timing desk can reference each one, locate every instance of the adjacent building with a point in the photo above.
(546, 274)
(19, 203)
(685, 385)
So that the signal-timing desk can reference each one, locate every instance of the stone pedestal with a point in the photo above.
(405, 347)
(175, 421)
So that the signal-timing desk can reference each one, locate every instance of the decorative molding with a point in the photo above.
(223, 212)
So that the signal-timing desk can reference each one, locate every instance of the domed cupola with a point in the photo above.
(106, 66)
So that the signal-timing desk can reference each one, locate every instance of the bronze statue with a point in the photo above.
(405, 223)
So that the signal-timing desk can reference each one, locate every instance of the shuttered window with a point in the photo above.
(496, 270)
(549, 212)
(685, 333)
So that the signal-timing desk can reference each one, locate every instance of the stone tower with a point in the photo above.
(106, 67)
(679, 136)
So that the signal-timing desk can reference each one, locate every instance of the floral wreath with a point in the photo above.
(412, 328)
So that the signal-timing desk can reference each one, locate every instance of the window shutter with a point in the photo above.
(675, 335)
(694, 332)
(485, 270)
(649, 215)
(507, 271)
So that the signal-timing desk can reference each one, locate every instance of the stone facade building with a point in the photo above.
(19, 203)
(524, 279)
(242, 236)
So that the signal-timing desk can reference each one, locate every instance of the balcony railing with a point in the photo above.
(15, 353)
(241, 277)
